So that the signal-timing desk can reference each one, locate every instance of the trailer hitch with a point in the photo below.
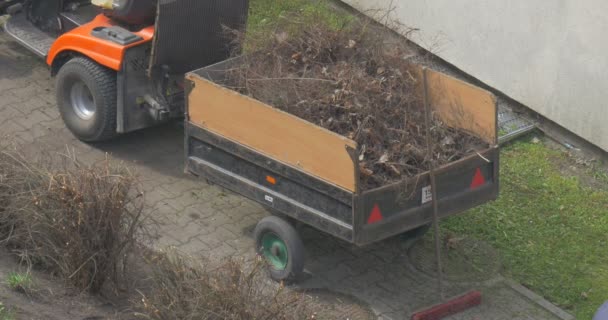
(156, 109)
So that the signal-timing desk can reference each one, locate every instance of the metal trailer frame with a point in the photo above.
(340, 213)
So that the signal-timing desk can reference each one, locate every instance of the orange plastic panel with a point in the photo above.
(105, 52)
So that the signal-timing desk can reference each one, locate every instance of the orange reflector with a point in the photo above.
(375, 216)
(271, 179)
(478, 179)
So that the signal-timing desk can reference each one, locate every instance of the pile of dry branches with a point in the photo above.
(77, 221)
(81, 223)
(354, 82)
(183, 288)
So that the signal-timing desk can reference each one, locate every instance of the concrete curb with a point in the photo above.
(527, 293)
(555, 310)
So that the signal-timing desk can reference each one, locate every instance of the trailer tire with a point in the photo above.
(87, 99)
(279, 244)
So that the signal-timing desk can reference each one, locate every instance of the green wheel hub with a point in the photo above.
(275, 251)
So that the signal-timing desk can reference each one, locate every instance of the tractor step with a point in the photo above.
(29, 35)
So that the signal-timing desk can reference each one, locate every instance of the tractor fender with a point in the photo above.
(80, 41)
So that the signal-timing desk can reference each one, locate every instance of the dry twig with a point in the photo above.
(356, 83)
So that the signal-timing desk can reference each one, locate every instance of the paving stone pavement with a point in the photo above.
(203, 219)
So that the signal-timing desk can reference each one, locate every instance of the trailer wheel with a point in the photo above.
(86, 96)
(280, 245)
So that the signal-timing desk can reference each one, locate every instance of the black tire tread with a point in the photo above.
(292, 239)
(104, 82)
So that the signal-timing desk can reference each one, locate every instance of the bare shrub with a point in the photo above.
(354, 81)
(77, 221)
(185, 288)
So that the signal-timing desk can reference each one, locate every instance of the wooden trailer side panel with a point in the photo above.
(460, 104)
(272, 132)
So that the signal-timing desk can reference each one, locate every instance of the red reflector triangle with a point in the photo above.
(375, 216)
(478, 179)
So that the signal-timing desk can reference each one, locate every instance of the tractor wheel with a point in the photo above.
(87, 99)
(280, 245)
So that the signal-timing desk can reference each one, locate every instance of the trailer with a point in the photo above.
(305, 173)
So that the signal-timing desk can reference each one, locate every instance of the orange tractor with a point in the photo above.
(120, 64)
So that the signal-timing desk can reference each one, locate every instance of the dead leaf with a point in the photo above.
(365, 171)
(383, 158)
(380, 70)
(282, 36)
(447, 141)
(362, 155)
(324, 71)
(395, 170)
(452, 242)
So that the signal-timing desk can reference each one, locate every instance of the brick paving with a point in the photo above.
(206, 220)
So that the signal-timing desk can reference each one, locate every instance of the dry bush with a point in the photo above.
(78, 222)
(354, 81)
(185, 288)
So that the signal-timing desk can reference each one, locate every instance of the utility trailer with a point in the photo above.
(308, 174)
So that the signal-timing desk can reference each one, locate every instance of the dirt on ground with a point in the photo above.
(48, 298)
(575, 163)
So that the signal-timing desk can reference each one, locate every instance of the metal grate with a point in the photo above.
(512, 125)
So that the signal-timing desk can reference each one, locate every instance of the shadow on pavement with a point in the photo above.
(159, 148)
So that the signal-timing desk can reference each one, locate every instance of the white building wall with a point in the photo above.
(551, 55)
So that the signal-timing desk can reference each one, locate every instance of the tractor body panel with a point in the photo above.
(83, 40)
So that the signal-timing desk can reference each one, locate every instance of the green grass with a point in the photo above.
(6, 313)
(19, 281)
(264, 15)
(551, 230)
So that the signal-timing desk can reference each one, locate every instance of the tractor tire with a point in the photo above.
(279, 244)
(87, 99)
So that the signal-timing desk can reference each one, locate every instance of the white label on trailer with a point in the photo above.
(269, 199)
(427, 194)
